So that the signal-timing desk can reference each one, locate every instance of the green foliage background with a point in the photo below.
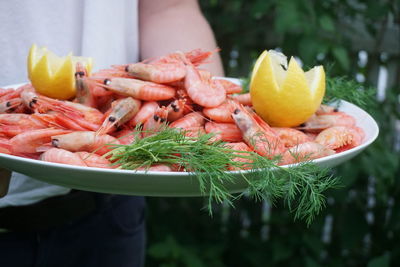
(361, 224)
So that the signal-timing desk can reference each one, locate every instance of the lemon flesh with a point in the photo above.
(54, 76)
(282, 93)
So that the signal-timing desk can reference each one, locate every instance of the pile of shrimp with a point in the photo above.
(113, 103)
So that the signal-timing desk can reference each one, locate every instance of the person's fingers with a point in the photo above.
(5, 176)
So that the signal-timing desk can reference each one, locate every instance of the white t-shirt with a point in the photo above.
(102, 29)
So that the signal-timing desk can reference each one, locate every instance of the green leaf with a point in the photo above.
(381, 261)
(287, 16)
(342, 57)
(311, 262)
(309, 48)
(346, 89)
(164, 249)
(327, 23)
(280, 252)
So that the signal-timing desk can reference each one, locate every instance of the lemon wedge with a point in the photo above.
(282, 93)
(54, 76)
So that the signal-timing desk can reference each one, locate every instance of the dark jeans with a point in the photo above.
(113, 235)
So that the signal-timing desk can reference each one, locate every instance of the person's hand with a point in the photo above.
(5, 176)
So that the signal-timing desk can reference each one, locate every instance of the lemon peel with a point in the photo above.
(282, 93)
(54, 76)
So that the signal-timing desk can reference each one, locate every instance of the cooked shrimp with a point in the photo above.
(146, 111)
(324, 109)
(86, 117)
(205, 92)
(311, 136)
(257, 134)
(358, 137)
(18, 119)
(84, 94)
(5, 92)
(5, 146)
(28, 142)
(58, 120)
(339, 136)
(318, 123)
(84, 141)
(290, 137)
(58, 155)
(244, 99)
(94, 88)
(230, 87)
(162, 70)
(156, 167)
(240, 146)
(182, 95)
(156, 122)
(305, 151)
(194, 131)
(199, 56)
(205, 74)
(94, 160)
(176, 109)
(125, 136)
(89, 114)
(11, 101)
(10, 105)
(138, 89)
(42, 104)
(121, 111)
(15, 121)
(227, 132)
(167, 69)
(193, 119)
(221, 113)
(14, 124)
(114, 71)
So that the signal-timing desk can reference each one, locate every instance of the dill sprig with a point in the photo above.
(301, 187)
(338, 88)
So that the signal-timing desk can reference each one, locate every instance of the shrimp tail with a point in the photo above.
(199, 56)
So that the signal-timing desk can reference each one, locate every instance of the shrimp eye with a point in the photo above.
(127, 68)
(55, 142)
(107, 81)
(302, 125)
(112, 119)
(335, 110)
(8, 104)
(156, 118)
(162, 119)
(236, 111)
(79, 74)
(174, 107)
(33, 101)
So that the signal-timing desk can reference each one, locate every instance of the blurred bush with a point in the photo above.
(361, 224)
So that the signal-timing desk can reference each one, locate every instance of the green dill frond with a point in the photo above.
(301, 187)
(245, 82)
(346, 89)
(307, 182)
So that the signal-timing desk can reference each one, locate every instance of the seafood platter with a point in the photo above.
(74, 142)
